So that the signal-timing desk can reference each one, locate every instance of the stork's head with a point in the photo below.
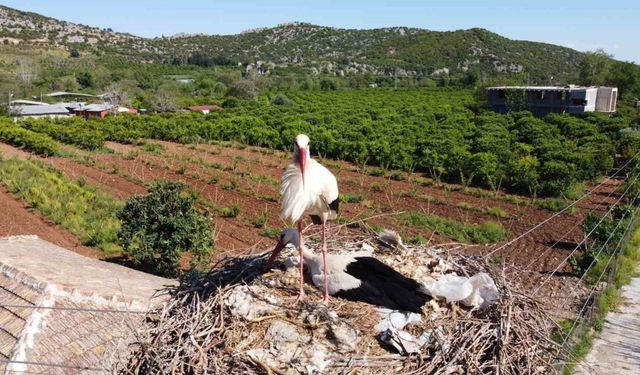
(289, 236)
(301, 151)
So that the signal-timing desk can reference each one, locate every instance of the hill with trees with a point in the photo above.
(317, 49)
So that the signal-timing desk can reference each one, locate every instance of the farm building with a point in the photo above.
(39, 110)
(96, 110)
(542, 100)
(205, 108)
(63, 313)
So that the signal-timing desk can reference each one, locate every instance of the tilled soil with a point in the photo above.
(249, 177)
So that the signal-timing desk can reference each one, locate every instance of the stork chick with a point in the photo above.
(357, 277)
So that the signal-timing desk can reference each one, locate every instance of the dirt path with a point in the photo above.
(617, 349)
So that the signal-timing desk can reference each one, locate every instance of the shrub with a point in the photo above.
(244, 89)
(158, 227)
(281, 99)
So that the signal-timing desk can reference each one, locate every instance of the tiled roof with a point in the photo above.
(63, 313)
(12, 319)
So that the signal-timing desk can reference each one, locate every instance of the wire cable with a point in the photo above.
(561, 211)
(45, 364)
(576, 225)
(584, 239)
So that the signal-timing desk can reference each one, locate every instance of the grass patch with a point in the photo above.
(397, 176)
(575, 191)
(415, 240)
(552, 204)
(498, 212)
(154, 148)
(85, 212)
(467, 206)
(232, 211)
(350, 198)
(259, 221)
(271, 232)
(375, 172)
(423, 181)
(487, 232)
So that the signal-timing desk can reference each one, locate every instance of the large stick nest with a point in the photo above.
(201, 330)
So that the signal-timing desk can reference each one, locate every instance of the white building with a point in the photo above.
(39, 111)
(542, 100)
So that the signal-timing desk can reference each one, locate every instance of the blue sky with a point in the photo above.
(584, 25)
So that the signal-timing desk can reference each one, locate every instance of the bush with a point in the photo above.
(244, 89)
(157, 228)
(281, 99)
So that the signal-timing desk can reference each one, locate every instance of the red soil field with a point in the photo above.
(249, 177)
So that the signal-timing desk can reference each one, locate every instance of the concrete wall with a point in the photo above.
(607, 99)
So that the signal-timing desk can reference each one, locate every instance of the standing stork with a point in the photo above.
(357, 277)
(309, 188)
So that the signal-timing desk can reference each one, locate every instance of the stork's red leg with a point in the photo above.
(326, 299)
(301, 243)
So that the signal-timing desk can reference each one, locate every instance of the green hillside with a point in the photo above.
(399, 50)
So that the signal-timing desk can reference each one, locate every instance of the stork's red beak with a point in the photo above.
(303, 161)
(274, 255)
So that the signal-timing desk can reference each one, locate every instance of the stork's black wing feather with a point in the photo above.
(335, 205)
(381, 285)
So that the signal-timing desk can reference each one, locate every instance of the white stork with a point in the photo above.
(357, 277)
(308, 188)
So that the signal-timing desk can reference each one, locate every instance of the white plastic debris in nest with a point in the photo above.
(292, 351)
(392, 328)
(251, 302)
(477, 291)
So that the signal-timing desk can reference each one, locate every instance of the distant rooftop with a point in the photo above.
(542, 88)
(40, 109)
(97, 107)
(65, 93)
(27, 102)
